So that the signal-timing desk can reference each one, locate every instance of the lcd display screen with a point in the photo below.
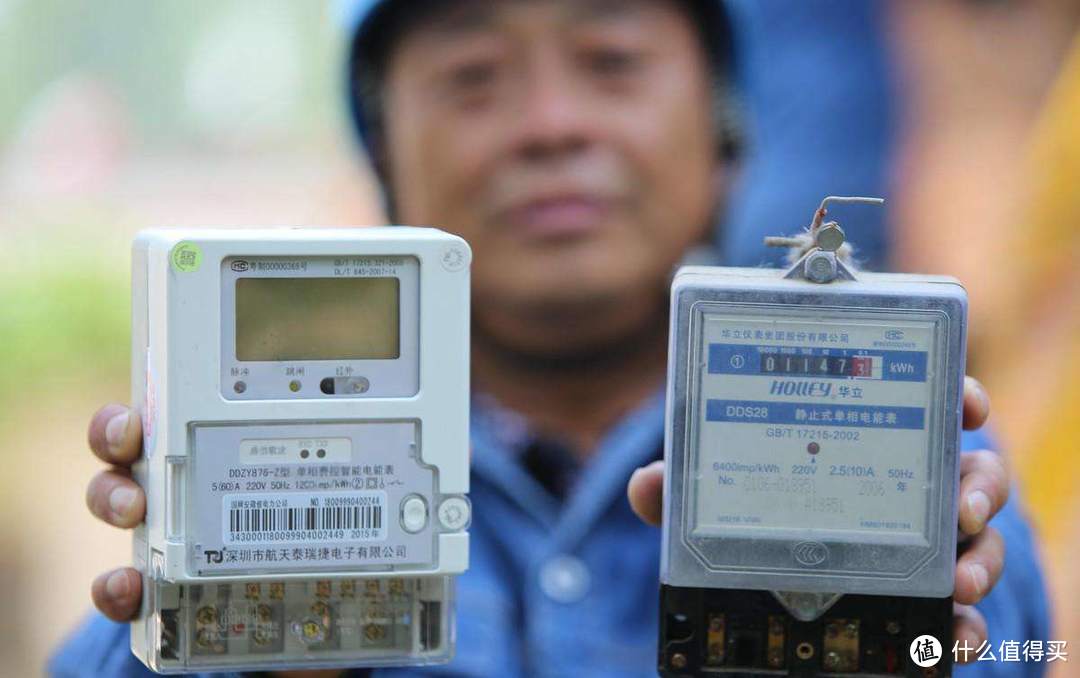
(282, 319)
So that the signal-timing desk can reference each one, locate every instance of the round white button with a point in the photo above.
(454, 513)
(413, 515)
(565, 579)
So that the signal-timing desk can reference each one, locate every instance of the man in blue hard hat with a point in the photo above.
(583, 148)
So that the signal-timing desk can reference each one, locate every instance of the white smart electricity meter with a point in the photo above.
(304, 401)
(813, 429)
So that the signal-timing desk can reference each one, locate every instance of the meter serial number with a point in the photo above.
(365, 534)
(817, 504)
(781, 484)
(810, 434)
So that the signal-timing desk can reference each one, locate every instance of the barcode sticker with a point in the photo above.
(299, 517)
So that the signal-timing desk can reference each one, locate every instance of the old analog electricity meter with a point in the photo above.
(304, 399)
(813, 428)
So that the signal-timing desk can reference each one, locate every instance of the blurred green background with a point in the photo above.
(117, 115)
(94, 143)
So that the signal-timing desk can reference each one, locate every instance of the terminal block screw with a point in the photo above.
(832, 660)
(206, 615)
(776, 658)
(821, 266)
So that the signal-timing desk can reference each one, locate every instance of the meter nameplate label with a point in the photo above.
(299, 517)
(810, 425)
(296, 497)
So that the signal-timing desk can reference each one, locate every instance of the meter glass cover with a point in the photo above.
(813, 426)
(317, 319)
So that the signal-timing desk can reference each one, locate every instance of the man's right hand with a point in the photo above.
(115, 436)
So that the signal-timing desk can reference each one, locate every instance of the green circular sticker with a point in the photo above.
(186, 257)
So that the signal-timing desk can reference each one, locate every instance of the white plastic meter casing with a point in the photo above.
(813, 432)
(304, 397)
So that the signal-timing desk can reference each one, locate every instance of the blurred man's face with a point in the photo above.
(571, 142)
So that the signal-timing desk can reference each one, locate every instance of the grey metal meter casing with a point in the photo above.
(748, 552)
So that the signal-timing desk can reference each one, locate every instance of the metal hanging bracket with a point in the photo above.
(819, 250)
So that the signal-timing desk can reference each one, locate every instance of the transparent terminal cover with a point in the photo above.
(813, 449)
(316, 623)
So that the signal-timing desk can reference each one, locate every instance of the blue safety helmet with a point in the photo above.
(371, 25)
